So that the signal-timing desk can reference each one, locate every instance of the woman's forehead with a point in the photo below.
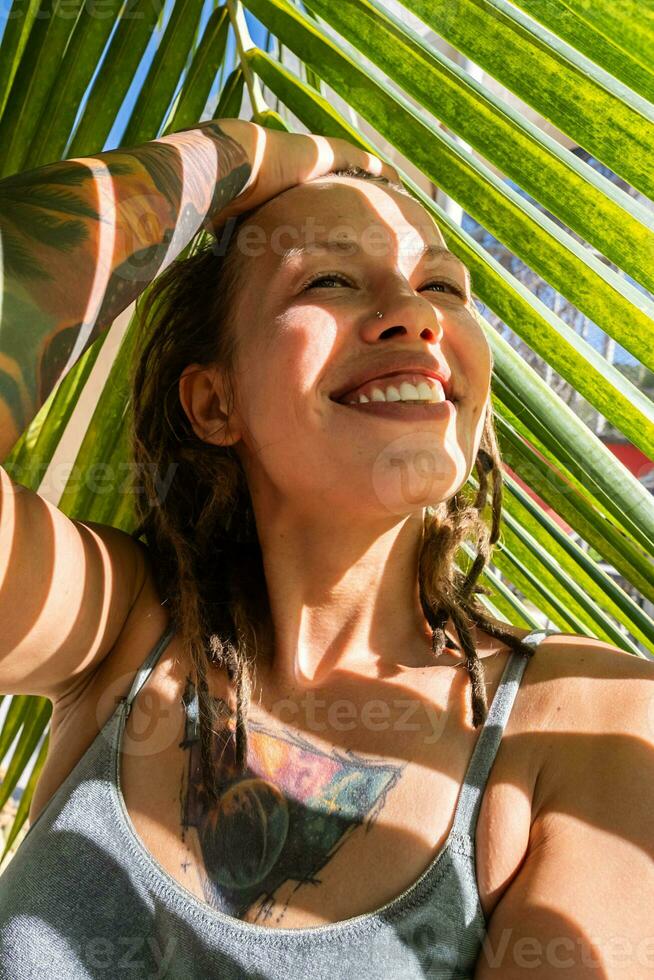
(334, 200)
(341, 213)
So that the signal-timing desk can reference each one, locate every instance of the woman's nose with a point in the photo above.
(407, 313)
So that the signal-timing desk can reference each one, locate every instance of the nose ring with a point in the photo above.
(380, 315)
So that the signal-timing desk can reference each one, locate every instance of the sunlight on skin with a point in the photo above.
(338, 525)
(51, 600)
(138, 218)
(7, 522)
(122, 217)
(105, 251)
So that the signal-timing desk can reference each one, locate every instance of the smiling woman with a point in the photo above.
(271, 325)
(287, 737)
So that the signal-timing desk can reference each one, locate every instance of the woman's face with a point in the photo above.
(322, 259)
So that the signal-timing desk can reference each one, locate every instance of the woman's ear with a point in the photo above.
(203, 397)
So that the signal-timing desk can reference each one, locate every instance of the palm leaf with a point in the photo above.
(562, 19)
(574, 93)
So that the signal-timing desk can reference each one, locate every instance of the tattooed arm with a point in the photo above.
(82, 238)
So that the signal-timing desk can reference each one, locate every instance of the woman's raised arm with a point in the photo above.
(82, 238)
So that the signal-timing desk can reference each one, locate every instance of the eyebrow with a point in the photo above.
(429, 251)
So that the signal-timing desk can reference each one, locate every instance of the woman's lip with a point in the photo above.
(408, 413)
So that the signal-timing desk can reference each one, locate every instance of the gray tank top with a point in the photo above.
(82, 899)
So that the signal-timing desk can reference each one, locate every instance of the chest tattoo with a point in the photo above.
(283, 818)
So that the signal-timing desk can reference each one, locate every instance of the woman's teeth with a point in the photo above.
(406, 392)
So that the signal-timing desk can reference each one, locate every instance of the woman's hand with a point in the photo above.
(281, 160)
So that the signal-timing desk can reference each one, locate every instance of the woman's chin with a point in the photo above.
(412, 473)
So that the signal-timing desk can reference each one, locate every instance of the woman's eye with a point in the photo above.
(334, 277)
(450, 285)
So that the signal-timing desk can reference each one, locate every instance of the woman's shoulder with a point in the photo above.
(587, 684)
(592, 707)
(590, 838)
(573, 665)
(581, 698)
(570, 659)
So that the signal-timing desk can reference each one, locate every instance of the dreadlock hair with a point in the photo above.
(201, 532)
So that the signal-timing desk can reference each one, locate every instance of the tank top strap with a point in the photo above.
(148, 666)
(490, 736)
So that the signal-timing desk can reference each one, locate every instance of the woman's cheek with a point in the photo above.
(474, 355)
